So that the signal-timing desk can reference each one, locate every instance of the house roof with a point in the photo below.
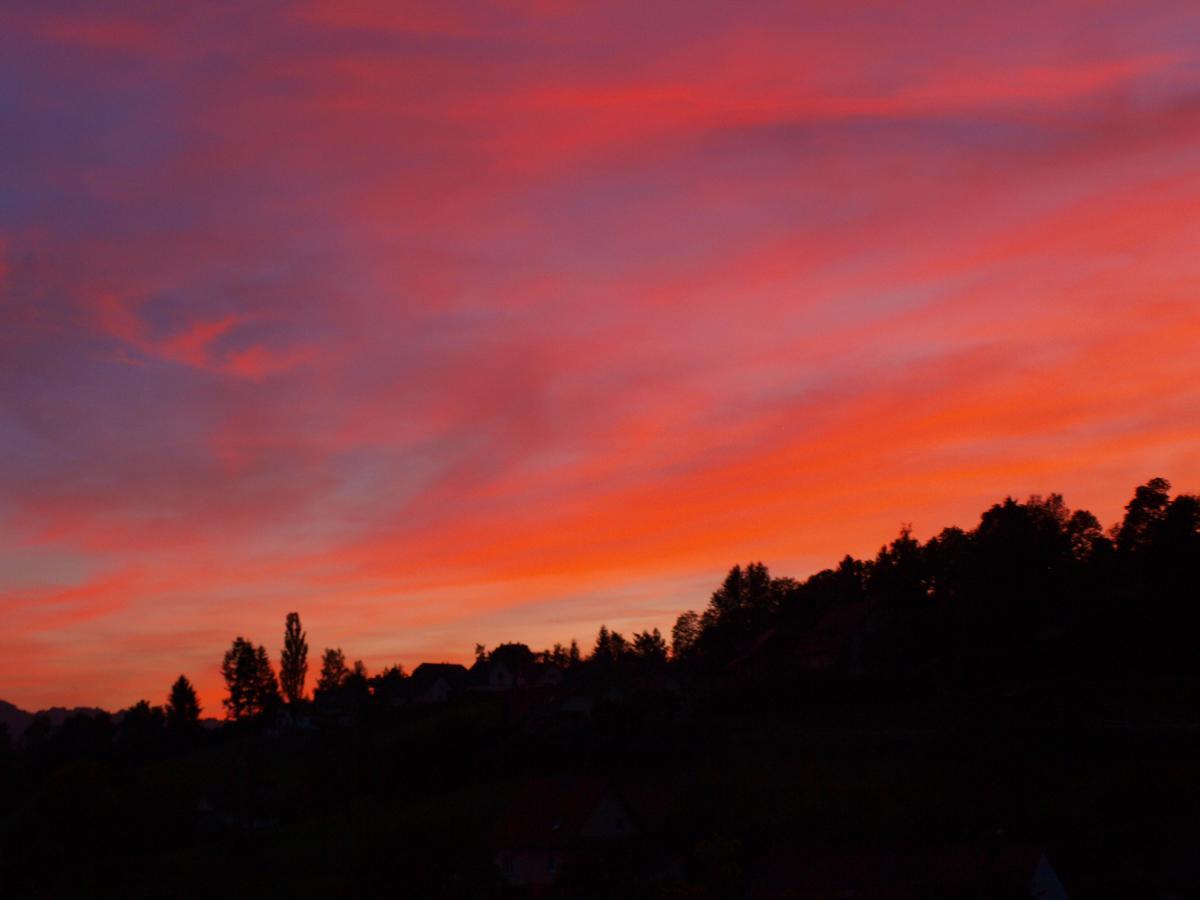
(537, 672)
(482, 670)
(426, 675)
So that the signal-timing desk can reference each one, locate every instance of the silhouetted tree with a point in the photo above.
(249, 680)
(1085, 535)
(573, 655)
(609, 648)
(556, 655)
(333, 674)
(685, 634)
(388, 686)
(1158, 545)
(356, 689)
(896, 581)
(602, 649)
(183, 708)
(84, 734)
(649, 646)
(1142, 513)
(738, 610)
(141, 728)
(514, 655)
(293, 663)
(268, 685)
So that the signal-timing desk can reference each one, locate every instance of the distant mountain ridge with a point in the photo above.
(14, 719)
(17, 719)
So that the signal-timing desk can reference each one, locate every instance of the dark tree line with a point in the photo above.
(1035, 590)
(978, 669)
(139, 732)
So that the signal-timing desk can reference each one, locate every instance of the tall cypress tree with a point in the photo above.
(293, 664)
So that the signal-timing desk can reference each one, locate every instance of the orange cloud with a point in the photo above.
(495, 321)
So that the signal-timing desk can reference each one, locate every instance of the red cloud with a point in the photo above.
(449, 322)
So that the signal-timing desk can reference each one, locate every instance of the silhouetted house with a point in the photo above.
(287, 719)
(487, 675)
(553, 823)
(436, 682)
(540, 675)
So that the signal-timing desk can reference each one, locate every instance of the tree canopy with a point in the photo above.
(183, 707)
(249, 680)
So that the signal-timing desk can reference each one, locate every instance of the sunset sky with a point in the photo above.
(495, 321)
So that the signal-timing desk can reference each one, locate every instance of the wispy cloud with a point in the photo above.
(481, 321)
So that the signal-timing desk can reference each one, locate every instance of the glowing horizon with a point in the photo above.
(459, 323)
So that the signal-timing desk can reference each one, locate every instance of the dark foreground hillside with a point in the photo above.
(1007, 712)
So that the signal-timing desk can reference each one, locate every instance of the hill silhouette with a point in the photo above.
(13, 719)
(1007, 708)
(17, 719)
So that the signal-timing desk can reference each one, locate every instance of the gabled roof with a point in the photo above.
(481, 672)
(426, 675)
(539, 673)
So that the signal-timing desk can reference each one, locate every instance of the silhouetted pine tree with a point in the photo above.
(249, 680)
(333, 674)
(649, 646)
(183, 708)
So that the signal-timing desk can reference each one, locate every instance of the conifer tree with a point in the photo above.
(249, 680)
(333, 672)
(183, 708)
